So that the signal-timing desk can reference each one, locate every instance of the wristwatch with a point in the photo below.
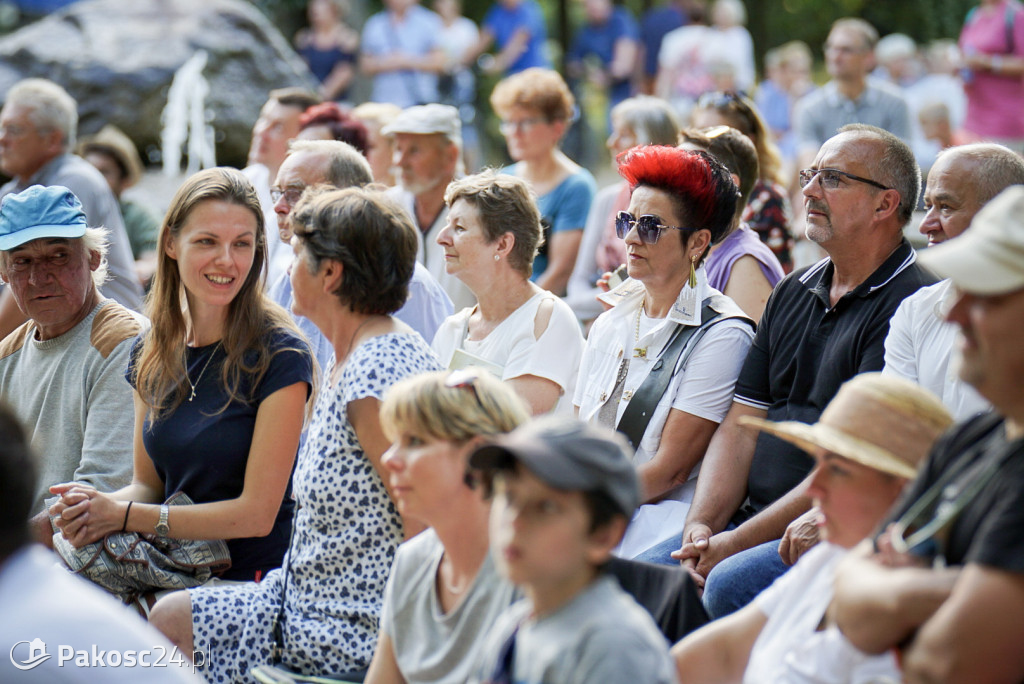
(162, 529)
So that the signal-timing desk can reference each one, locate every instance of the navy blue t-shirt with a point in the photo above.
(204, 453)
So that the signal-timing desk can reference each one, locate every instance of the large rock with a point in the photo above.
(118, 58)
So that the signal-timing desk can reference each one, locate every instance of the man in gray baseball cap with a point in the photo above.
(63, 371)
(945, 579)
(570, 455)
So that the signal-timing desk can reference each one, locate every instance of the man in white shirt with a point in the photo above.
(920, 342)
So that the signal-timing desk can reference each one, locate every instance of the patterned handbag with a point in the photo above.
(129, 564)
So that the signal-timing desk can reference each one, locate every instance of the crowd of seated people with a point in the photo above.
(645, 445)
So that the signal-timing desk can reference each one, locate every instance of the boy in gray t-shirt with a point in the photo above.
(564, 492)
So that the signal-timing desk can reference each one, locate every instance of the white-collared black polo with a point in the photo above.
(805, 349)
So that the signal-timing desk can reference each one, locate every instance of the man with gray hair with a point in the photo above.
(338, 164)
(851, 96)
(920, 342)
(822, 325)
(63, 371)
(428, 155)
(38, 125)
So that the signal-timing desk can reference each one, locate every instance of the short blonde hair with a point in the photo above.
(426, 406)
(541, 90)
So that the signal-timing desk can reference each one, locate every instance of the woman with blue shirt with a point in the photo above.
(536, 110)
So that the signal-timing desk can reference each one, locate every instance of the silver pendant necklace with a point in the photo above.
(195, 384)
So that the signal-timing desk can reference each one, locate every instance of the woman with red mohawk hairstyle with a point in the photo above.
(661, 364)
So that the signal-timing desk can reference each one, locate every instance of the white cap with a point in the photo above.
(425, 120)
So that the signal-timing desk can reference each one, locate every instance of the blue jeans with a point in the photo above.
(660, 552)
(735, 581)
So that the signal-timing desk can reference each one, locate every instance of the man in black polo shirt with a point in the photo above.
(822, 325)
(959, 619)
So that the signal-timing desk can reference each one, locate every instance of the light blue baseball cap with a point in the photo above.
(40, 212)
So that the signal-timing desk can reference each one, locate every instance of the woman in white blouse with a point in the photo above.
(521, 333)
(681, 202)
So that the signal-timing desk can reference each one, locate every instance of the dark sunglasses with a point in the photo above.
(720, 99)
(830, 178)
(648, 227)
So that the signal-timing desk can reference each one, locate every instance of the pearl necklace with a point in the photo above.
(638, 351)
(199, 379)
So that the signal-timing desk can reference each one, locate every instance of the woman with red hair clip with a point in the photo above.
(660, 365)
(328, 121)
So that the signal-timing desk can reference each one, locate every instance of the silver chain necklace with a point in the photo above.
(199, 379)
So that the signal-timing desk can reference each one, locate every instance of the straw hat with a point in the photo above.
(883, 422)
(111, 140)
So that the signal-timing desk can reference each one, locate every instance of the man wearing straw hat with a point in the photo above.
(946, 583)
(868, 443)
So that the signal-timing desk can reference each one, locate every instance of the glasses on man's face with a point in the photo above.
(843, 49)
(648, 227)
(291, 194)
(831, 178)
(523, 125)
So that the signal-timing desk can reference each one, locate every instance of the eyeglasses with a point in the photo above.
(830, 178)
(648, 227)
(524, 125)
(53, 262)
(291, 194)
(729, 100)
(16, 131)
(464, 379)
(845, 49)
(719, 99)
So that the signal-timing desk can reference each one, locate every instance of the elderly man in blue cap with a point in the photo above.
(63, 371)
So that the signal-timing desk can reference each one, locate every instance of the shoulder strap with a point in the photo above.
(641, 407)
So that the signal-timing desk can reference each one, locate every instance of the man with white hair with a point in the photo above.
(944, 582)
(63, 371)
(38, 125)
(428, 155)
